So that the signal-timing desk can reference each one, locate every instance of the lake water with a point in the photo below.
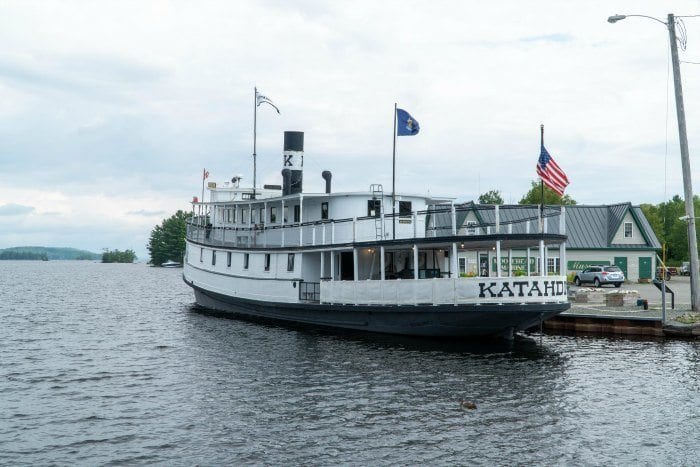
(110, 364)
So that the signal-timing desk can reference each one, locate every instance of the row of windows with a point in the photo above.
(374, 208)
(552, 265)
(246, 260)
(259, 215)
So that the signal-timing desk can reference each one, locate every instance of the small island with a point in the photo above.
(116, 256)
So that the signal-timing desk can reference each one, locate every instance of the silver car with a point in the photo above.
(600, 275)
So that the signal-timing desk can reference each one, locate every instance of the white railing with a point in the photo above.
(438, 222)
(477, 290)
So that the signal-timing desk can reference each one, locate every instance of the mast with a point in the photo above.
(255, 135)
(393, 182)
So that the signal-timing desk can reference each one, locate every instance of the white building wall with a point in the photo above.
(637, 237)
(608, 256)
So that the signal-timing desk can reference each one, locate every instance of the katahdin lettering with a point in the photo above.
(483, 288)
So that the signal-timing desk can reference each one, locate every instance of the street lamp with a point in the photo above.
(685, 158)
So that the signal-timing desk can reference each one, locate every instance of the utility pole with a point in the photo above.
(685, 165)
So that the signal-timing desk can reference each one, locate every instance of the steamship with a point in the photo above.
(371, 261)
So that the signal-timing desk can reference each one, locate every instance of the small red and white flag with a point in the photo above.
(205, 174)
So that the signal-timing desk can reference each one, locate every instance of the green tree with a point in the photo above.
(116, 256)
(167, 240)
(491, 197)
(534, 196)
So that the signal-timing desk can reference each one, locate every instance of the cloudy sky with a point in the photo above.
(109, 111)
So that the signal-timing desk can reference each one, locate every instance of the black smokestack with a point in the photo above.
(327, 177)
(286, 181)
(293, 159)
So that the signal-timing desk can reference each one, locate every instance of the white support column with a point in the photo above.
(563, 265)
(301, 220)
(562, 221)
(323, 235)
(354, 229)
(543, 265)
(527, 266)
(382, 266)
(283, 223)
(545, 224)
(527, 227)
(415, 261)
(498, 258)
(562, 259)
(356, 272)
(510, 260)
(415, 224)
(454, 219)
(332, 232)
(332, 265)
(454, 262)
(323, 264)
(263, 223)
(313, 235)
(498, 222)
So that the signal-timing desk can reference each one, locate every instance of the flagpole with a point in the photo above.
(541, 184)
(204, 171)
(393, 181)
(255, 135)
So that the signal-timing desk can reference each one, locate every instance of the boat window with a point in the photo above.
(244, 215)
(405, 208)
(233, 215)
(290, 262)
(267, 261)
(228, 259)
(213, 258)
(246, 258)
(262, 215)
(462, 265)
(374, 208)
(324, 210)
(285, 214)
(273, 214)
(297, 213)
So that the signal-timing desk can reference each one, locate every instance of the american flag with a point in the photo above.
(550, 173)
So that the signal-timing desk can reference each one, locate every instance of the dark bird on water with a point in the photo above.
(467, 404)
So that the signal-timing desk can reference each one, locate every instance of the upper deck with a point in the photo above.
(324, 219)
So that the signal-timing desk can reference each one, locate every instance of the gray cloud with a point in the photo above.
(15, 209)
(557, 37)
(146, 213)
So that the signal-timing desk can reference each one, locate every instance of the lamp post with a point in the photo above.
(685, 158)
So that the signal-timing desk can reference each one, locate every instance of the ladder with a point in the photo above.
(378, 200)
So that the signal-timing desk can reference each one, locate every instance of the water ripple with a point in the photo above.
(111, 364)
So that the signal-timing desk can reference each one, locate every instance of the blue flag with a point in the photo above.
(405, 124)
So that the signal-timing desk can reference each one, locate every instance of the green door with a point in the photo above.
(621, 262)
(645, 268)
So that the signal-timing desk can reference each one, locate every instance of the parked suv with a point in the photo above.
(600, 275)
